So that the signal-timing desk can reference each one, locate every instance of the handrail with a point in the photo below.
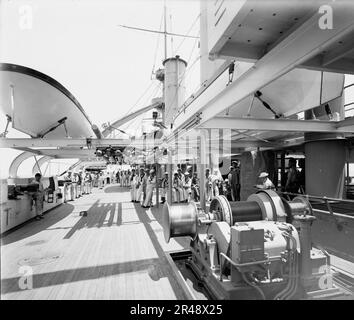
(317, 197)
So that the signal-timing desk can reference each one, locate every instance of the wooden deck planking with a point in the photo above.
(116, 252)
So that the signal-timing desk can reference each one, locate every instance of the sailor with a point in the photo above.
(76, 187)
(215, 179)
(150, 186)
(111, 177)
(90, 177)
(69, 186)
(227, 190)
(133, 183)
(182, 178)
(101, 180)
(187, 187)
(87, 183)
(208, 185)
(79, 183)
(301, 176)
(164, 186)
(266, 182)
(84, 184)
(236, 164)
(117, 176)
(144, 183)
(177, 191)
(128, 178)
(292, 183)
(38, 196)
(234, 181)
(195, 187)
(140, 185)
(125, 176)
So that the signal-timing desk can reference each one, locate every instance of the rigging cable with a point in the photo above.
(186, 71)
(136, 103)
(157, 46)
(189, 30)
(149, 98)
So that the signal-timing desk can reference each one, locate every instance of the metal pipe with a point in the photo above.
(294, 275)
(246, 264)
(296, 279)
(253, 285)
(289, 283)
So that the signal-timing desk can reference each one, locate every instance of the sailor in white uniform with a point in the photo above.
(38, 196)
(140, 184)
(133, 182)
(266, 182)
(150, 186)
(187, 187)
(69, 188)
(164, 186)
(178, 192)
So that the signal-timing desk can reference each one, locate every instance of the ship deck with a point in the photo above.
(117, 251)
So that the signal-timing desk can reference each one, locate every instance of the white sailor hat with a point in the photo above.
(263, 175)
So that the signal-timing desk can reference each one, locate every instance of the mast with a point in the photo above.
(165, 28)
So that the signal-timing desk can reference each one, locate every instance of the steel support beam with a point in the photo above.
(39, 164)
(287, 125)
(346, 123)
(61, 143)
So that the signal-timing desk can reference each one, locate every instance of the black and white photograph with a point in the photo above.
(177, 154)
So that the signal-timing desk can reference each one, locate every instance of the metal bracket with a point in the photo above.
(9, 119)
(52, 128)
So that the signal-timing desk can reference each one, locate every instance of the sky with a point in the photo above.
(106, 67)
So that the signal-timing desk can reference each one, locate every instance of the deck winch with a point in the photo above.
(241, 247)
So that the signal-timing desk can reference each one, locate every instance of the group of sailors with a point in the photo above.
(143, 182)
(185, 183)
(122, 177)
(230, 187)
(78, 184)
(185, 186)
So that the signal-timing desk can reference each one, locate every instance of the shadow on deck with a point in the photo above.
(96, 217)
(153, 266)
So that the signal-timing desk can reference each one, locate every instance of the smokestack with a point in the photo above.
(175, 90)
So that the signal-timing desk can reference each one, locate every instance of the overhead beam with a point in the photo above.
(304, 43)
(340, 51)
(348, 122)
(36, 167)
(245, 52)
(343, 65)
(60, 143)
(37, 152)
(287, 125)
